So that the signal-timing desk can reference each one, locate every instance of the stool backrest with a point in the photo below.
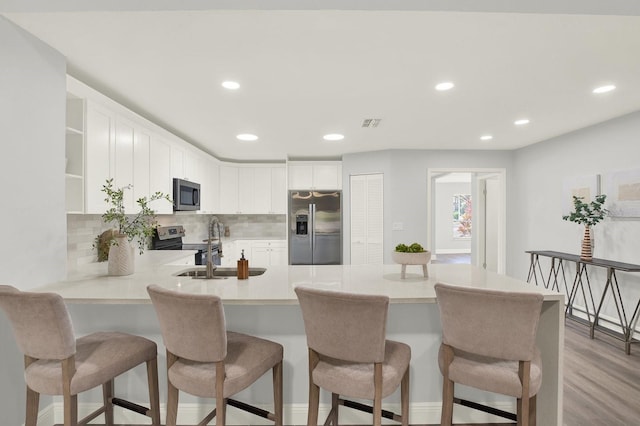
(492, 323)
(345, 326)
(192, 325)
(41, 323)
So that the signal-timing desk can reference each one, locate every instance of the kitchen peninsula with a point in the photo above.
(266, 306)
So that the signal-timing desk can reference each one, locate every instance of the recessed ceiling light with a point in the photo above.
(604, 89)
(333, 137)
(447, 85)
(231, 85)
(247, 137)
(521, 122)
(486, 137)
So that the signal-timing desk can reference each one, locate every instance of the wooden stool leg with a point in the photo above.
(154, 396)
(277, 393)
(404, 398)
(107, 394)
(33, 401)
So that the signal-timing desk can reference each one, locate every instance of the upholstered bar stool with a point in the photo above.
(56, 363)
(489, 343)
(349, 354)
(206, 360)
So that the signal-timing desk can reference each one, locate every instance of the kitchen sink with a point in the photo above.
(219, 273)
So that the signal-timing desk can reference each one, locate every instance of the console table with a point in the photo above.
(582, 283)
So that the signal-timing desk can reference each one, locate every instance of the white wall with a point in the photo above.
(536, 215)
(32, 107)
(405, 186)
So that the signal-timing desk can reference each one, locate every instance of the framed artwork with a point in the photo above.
(623, 193)
(586, 187)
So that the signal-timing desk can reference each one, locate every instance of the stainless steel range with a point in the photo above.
(170, 238)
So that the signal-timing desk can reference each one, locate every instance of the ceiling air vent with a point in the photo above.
(371, 122)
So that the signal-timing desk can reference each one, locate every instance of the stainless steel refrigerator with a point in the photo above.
(315, 228)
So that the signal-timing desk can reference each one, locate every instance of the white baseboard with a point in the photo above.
(453, 251)
(294, 414)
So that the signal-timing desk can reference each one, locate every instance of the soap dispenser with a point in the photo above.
(243, 267)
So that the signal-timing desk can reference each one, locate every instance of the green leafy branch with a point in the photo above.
(587, 214)
(139, 225)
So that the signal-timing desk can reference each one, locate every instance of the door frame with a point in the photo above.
(500, 173)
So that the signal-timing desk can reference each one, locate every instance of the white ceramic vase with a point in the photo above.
(121, 257)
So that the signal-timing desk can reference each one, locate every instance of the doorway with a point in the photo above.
(466, 216)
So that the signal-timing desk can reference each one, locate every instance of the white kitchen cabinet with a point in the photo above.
(123, 161)
(260, 253)
(252, 189)
(177, 162)
(160, 178)
(192, 167)
(269, 191)
(185, 163)
(99, 135)
(266, 253)
(141, 165)
(74, 155)
(316, 175)
(209, 189)
(279, 196)
(228, 189)
(246, 186)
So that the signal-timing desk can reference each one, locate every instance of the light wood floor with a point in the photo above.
(453, 258)
(601, 383)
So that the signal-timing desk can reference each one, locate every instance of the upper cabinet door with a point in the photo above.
(300, 176)
(327, 175)
(279, 190)
(315, 175)
(100, 129)
(228, 189)
(160, 178)
(123, 164)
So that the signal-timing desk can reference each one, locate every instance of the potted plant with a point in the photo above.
(413, 254)
(587, 214)
(137, 226)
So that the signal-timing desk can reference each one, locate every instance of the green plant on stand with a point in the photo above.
(587, 214)
(138, 226)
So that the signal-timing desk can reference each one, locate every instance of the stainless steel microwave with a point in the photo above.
(186, 195)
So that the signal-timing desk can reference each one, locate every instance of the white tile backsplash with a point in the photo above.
(82, 229)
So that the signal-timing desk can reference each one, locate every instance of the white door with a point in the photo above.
(367, 224)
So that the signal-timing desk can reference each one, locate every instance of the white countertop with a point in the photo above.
(91, 284)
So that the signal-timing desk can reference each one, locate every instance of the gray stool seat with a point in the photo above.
(489, 343)
(56, 363)
(349, 354)
(248, 359)
(206, 360)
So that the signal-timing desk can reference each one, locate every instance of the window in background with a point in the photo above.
(462, 216)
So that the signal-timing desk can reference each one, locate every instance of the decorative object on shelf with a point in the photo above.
(587, 214)
(138, 226)
(414, 254)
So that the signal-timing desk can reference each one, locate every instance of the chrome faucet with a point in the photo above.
(210, 265)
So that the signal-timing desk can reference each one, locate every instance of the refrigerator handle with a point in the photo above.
(312, 226)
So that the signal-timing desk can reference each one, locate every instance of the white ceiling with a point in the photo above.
(305, 73)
